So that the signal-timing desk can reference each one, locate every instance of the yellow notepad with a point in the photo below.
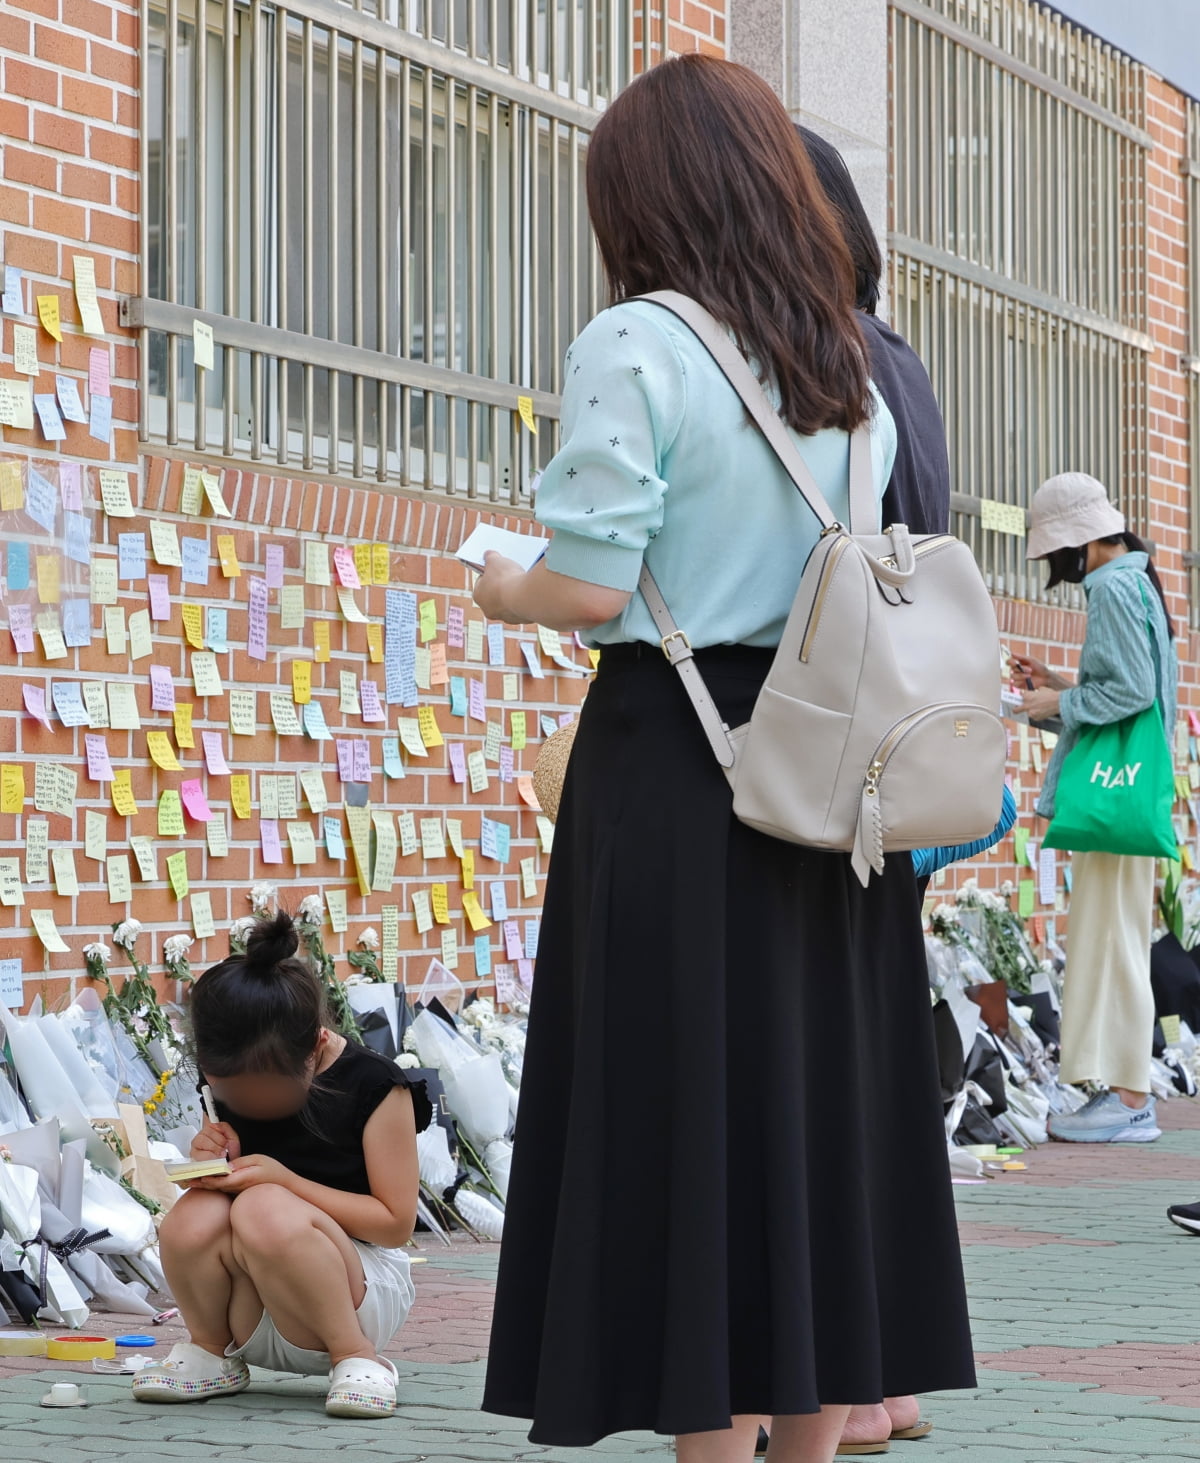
(210, 1168)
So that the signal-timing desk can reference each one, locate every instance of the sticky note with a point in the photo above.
(256, 631)
(428, 619)
(131, 555)
(475, 640)
(114, 492)
(525, 412)
(450, 949)
(100, 419)
(182, 717)
(477, 772)
(158, 744)
(313, 783)
(1171, 1030)
(43, 919)
(20, 625)
(454, 836)
(483, 956)
(37, 851)
(511, 690)
(12, 491)
(50, 632)
(96, 705)
(458, 762)
(427, 725)
(48, 579)
(120, 884)
(16, 404)
(467, 856)
(162, 689)
(410, 736)
(534, 665)
(95, 838)
(528, 879)
(177, 873)
(13, 301)
(66, 876)
(375, 643)
(25, 353)
(98, 764)
(314, 722)
(283, 715)
(316, 562)
(517, 730)
(122, 707)
(147, 859)
(409, 842)
(48, 314)
(211, 484)
(227, 556)
(301, 682)
(439, 900)
(349, 607)
(381, 564)
(422, 911)
(239, 794)
(291, 611)
(475, 915)
(491, 742)
(206, 678)
(121, 792)
(433, 842)
(243, 711)
(67, 703)
(203, 926)
(335, 843)
(84, 267)
(12, 788)
(202, 345)
(170, 814)
(192, 793)
(346, 568)
(1026, 890)
(302, 843)
(194, 552)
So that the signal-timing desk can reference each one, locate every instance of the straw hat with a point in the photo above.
(1068, 511)
(550, 769)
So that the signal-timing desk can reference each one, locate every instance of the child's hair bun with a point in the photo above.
(271, 942)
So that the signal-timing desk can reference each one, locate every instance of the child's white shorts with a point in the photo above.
(384, 1310)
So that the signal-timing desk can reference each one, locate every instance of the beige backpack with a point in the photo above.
(877, 728)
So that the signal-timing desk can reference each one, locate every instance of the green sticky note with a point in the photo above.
(1020, 840)
(178, 874)
(1170, 1030)
(1025, 896)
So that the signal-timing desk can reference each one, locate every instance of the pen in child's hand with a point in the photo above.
(210, 1107)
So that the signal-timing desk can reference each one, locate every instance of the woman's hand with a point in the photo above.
(247, 1173)
(1040, 705)
(493, 588)
(216, 1140)
(1026, 668)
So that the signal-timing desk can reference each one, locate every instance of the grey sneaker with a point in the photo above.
(1106, 1119)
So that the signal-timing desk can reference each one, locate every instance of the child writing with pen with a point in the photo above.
(292, 1260)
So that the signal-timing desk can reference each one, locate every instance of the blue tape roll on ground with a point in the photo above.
(135, 1341)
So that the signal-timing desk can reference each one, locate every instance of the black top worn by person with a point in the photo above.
(323, 1142)
(918, 491)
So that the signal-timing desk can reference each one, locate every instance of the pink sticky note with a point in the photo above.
(347, 570)
(99, 767)
(98, 371)
(566, 718)
(274, 566)
(458, 762)
(20, 625)
(478, 710)
(1194, 723)
(368, 698)
(195, 802)
(525, 974)
(362, 761)
(256, 634)
(454, 627)
(162, 689)
(268, 832)
(160, 597)
(345, 759)
(514, 946)
(69, 486)
(506, 764)
(35, 704)
(214, 753)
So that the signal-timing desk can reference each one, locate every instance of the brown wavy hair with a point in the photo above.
(697, 182)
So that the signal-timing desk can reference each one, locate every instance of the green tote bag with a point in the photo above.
(1116, 789)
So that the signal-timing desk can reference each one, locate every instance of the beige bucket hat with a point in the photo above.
(1068, 511)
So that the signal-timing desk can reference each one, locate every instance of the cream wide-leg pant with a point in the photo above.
(1108, 1006)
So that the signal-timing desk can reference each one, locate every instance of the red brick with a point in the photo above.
(90, 16)
(38, 83)
(60, 133)
(116, 148)
(87, 99)
(91, 184)
(60, 48)
(33, 168)
(14, 206)
(14, 33)
(114, 63)
(113, 231)
(63, 220)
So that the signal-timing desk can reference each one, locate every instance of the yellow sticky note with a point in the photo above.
(170, 814)
(243, 711)
(427, 722)
(147, 859)
(85, 295)
(121, 790)
(164, 541)
(525, 411)
(12, 894)
(428, 621)
(12, 488)
(43, 920)
(120, 885)
(440, 901)
(321, 641)
(48, 570)
(594, 657)
(303, 844)
(66, 876)
(517, 726)
(475, 916)
(184, 736)
(468, 868)
(158, 744)
(12, 788)
(239, 794)
(47, 307)
(54, 647)
(227, 554)
(410, 736)
(211, 484)
(316, 562)
(302, 682)
(381, 564)
(1172, 1033)
(16, 404)
(291, 607)
(104, 582)
(203, 924)
(193, 625)
(375, 642)
(95, 838)
(114, 492)
(206, 678)
(191, 498)
(362, 563)
(178, 874)
(349, 606)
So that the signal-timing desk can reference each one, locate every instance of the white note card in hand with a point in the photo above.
(525, 548)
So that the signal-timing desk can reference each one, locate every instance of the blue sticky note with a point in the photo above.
(12, 979)
(503, 841)
(483, 955)
(458, 696)
(41, 499)
(216, 628)
(392, 764)
(77, 537)
(335, 843)
(18, 565)
(77, 622)
(195, 556)
(131, 556)
(100, 424)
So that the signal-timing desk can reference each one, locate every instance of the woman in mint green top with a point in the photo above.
(729, 1178)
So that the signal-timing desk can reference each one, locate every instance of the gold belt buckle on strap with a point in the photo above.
(674, 635)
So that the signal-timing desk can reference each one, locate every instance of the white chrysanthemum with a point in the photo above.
(240, 929)
(369, 939)
(408, 1060)
(126, 933)
(1008, 888)
(312, 910)
(260, 897)
(97, 951)
(175, 948)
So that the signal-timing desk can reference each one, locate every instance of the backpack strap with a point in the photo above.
(736, 368)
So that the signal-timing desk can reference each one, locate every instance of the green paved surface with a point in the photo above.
(1085, 1307)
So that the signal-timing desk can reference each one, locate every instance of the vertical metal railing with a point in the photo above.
(378, 206)
(1017, 257)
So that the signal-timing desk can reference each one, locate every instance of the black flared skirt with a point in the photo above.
(729, 1191)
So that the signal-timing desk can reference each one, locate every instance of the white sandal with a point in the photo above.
(362, 1388)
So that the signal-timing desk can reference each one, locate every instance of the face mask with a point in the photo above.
(1068, 566)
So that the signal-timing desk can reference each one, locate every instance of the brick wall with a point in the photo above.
(677, 27)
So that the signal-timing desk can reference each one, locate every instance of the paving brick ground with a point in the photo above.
(1083, 1297)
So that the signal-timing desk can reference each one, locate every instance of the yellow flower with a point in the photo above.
(151, 1107)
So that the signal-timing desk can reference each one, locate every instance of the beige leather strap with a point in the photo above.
(678, 650)
(720, 346)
